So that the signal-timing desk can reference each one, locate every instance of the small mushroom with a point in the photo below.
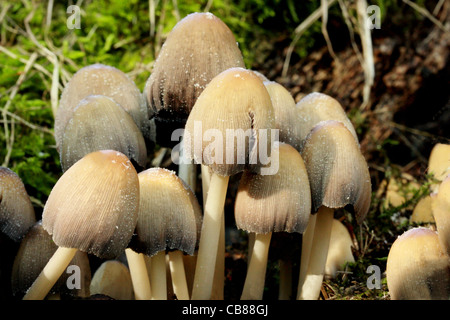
(440, 204)
(112, 279)
(169, 218)
(93, 208)
(339, 178)
(99, 79)
(271, 203)
(234, 109)
(16, 211)
(36, 249)
(99, 123)
(439, 163)
(340, 249)
(417, 267)
(423, 212)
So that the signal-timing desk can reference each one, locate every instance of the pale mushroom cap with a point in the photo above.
(198, 48)
(423, 213)
(439, 161)
(16, 211)
(113, 279)
(169, 214)
(316, 107)
(278, 202)
(99, 123)
(340, 249)
(286, 114)
(337, 171)
(440, 205)
(225, 126)
(94, 205)
(99, 79)
(417, 267)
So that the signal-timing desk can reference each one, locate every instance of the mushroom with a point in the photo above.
(235, 109)
(423, 212)
(198, 48)
(417, 267)
(439, 163)
(99, 79)
(16, 211)
(93, 208)
(272, 203)
(440, 204)
(169, 218)
(340, 249)
(36, 249)
(112, 279)
(100, 123)
(339, 178)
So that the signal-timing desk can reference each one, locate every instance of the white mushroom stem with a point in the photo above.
(318, 257)
(307, 240)
(139, 275)
(50, 274)
(178, 274)
(256, 273)
(158, 277)
(285, 289)
(209, 238)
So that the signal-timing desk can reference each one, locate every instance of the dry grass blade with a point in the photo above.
(427, 14)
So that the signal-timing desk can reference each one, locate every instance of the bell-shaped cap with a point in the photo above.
(439, 163)
(169, 214)
(16, 211)
(94, 205)
(440, 204)
(337, 171)
(99, 79)
(417, 268)
(99, 123)
(229, 128)
(280, 202)
(112, 279)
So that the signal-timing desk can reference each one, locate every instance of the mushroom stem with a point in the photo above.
(50, 274)
(178, 274)
(139, 275)
(254, 282)
(318, 258)
(285, 291)
(209, 238)
(306, 252)
(158, 277)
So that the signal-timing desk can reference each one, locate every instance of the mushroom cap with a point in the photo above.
(417, 267)
(169, 214)
(99, 79)
(440, 205)
(340, 249)
(337, 171)
(35, 250)
(316, 107)
(99, 123)
(423, 212)
(225, 126)
(439, 161)
(198, 48)
(286, 114)
(113, 279)
(16, 211)
(278, 202)
(94, 205)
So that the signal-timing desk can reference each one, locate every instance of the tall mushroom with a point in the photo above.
(93, 207)
(417, 267)
(235, 110)
(280, 202)
(100, 79)
(169, 218)
(100, 123)
(16, 211)
(339, 178)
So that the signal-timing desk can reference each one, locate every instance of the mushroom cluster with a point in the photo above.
(296, 164)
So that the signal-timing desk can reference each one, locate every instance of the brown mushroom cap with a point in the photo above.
(113, 279)
(440, 205)
(417, 267)
(36, 249)
(235, 104)
(286, 114)
(337, 171)
(198, 48)
(16, 211)
(278, 202)
(316, 107)
(169, 214)
(94, 205)
(99, 123)
(103, 80)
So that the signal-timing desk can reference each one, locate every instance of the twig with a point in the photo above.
(348, 22)
(427, 14)
(28, 124)
(324, 8)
